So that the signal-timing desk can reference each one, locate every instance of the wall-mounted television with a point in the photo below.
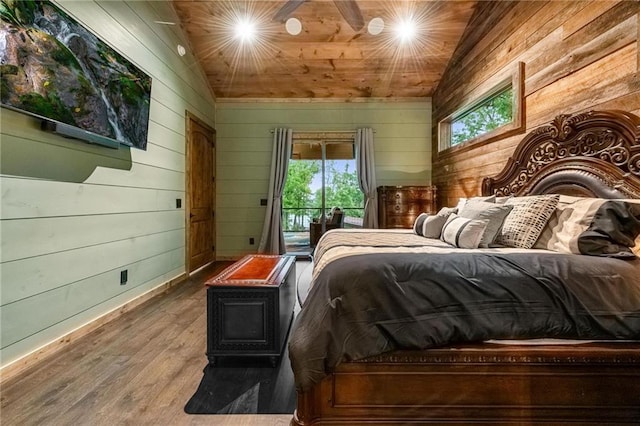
(55, 69)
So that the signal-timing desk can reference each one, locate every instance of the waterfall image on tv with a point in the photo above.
(53, 67)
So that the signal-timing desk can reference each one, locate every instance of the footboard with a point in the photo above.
(482, 384)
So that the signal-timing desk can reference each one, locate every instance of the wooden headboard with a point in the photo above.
(592, 154)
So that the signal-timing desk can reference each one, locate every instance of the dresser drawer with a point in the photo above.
(398, 206)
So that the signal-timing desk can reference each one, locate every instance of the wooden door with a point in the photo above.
(200, 208)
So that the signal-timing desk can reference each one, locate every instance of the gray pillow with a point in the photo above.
(494, 213)
(462, 232)
(463, 201)
(417, 224)
(446, 211)
(488, 199)
(432, 226)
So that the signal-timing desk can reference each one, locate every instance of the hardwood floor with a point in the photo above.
(140, 368)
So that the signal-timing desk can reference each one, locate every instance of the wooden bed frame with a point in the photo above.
(590, 154)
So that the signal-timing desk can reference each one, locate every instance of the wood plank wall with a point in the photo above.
(74, 215)
(402, 154)
(578, 55)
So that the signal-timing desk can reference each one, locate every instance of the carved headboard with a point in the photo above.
(592, 154)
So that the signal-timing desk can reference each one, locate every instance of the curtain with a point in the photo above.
(365, 166)
(272, 240)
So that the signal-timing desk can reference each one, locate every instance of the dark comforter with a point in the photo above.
(365, 304)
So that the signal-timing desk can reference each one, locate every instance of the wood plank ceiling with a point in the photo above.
(328, 59)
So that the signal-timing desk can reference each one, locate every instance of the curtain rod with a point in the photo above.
(322, 131)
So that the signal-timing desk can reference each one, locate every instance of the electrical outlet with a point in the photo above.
(178, 203)
(124, 276)
(252, 241)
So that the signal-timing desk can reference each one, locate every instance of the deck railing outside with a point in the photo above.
(297, 219)
(295, 222)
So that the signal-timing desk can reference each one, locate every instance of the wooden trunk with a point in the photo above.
(250, 307)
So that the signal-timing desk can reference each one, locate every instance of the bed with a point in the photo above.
(583, 371)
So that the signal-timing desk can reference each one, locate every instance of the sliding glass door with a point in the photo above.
(322, 176)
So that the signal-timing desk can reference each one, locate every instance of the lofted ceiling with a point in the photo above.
(328, 59)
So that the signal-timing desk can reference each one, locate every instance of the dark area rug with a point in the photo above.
(245, 386)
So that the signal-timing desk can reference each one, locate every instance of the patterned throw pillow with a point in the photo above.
(462, 232)
(524, 224)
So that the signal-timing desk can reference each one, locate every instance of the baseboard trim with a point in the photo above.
(29, 360)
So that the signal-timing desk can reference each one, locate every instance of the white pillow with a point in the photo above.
(556, 221)
(463, 233)
(572, 220)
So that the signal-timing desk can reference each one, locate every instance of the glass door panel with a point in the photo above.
(322, 175)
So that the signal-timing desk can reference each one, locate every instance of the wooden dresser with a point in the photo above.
(398, 206)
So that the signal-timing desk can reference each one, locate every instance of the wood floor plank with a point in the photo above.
(138, 369)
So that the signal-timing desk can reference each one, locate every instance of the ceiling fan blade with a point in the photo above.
(289, 7)
(351, 13)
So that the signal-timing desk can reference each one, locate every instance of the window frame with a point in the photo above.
(513, 78)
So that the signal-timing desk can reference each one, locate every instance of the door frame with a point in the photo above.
(189, 119)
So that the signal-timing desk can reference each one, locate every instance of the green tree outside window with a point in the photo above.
(297, 192)
(341, 190)
(487, 116)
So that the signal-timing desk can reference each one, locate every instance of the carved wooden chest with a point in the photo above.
(250, 307)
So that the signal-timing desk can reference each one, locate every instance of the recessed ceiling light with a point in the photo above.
(181, 50)
(375, 27)
(293, 26)
(406, 30)
(245, 30)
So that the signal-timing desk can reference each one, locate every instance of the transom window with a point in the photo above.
(495, 111)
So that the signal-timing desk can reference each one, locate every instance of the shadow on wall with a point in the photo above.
(30, 152)
(392, 176)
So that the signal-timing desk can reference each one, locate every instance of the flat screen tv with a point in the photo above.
(55, 69)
